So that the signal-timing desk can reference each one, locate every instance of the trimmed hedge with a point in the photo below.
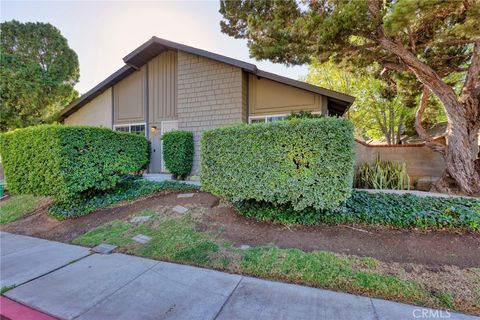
(66, 161)
(178, 152)
(400, 211)
(302, 163)
(127, 189)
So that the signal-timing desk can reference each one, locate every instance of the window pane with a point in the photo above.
(277, 118)
(122, 128)
(138, 129)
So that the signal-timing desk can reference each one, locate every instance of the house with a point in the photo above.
(167, 86)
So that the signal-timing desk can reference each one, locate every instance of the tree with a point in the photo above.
(377, 112)
(38, 71)
(429, 40)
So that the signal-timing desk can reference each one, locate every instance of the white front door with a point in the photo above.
(166, 127)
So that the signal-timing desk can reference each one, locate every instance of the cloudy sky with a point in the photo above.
(102, 33)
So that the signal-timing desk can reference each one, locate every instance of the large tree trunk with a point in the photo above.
(459, 158)
(461, 139)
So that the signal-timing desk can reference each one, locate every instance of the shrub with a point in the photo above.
(400, 211)
(128, 189)
(178, 152)
(303, 115)
(305, 163)
(66, 161)
(382, 175)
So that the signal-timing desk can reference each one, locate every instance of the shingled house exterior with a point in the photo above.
(168, 86)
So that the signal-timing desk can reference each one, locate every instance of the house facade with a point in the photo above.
(168, 86)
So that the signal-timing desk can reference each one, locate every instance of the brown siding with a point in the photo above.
(271, 97)
(421, 161)
(245, 97)
(97, 112)
(162, 87)
(130, 99)
(209, 95)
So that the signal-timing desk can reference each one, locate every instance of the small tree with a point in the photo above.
(38, 71)
(431, 40)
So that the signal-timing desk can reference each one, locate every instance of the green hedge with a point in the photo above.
(303, 163)
(178, 152)
(400, 211)
(66, 161)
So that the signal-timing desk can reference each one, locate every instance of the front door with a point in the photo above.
(166, 127)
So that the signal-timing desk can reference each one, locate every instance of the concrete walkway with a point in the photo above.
(118, 286)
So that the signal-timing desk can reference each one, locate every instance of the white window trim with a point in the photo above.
(130, 126)
(250, 118)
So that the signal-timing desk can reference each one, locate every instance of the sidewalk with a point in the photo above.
(68, 282)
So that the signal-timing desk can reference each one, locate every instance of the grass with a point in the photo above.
(16, 207)
(174, 238)
(327, 270)
(3, 290)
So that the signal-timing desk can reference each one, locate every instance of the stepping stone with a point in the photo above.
(185, 195)
(140, 219)
(244, 246)
(180, 209)
(104, 248)
(141, 238)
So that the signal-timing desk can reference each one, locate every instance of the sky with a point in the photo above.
(102, 33)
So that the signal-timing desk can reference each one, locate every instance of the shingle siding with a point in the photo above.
(210, 94)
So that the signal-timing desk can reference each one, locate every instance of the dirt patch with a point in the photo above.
(411, 246)
(426, 248)
(40, 224)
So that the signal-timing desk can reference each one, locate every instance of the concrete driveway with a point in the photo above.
(68, 282)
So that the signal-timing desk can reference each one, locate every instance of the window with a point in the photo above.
(276, 118)
(271, 118)
(132, 128)
(263, 119)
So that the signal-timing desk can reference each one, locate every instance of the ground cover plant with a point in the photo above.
(401, 211)
(178, 152)
(128, 189)
(16, 207)
(65, 162)
(178, 238)
(300, 162)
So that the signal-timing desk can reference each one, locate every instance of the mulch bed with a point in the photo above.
(435, 248)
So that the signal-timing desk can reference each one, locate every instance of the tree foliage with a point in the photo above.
(378, 112)
(425, 44)
(38, 71)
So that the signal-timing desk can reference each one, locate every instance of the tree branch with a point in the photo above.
(422, 133)
(393, 66)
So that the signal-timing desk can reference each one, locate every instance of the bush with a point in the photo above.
(400, 211)
(305, 163)
(178, 152)
(128, 189)
(67, 161)
(382, 175)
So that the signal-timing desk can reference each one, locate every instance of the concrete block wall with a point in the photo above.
(421, 161)
(209, 96)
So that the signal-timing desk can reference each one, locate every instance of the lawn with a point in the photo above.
(180, 238)
(16, 207)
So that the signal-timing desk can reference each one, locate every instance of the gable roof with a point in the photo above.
(155, 46)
